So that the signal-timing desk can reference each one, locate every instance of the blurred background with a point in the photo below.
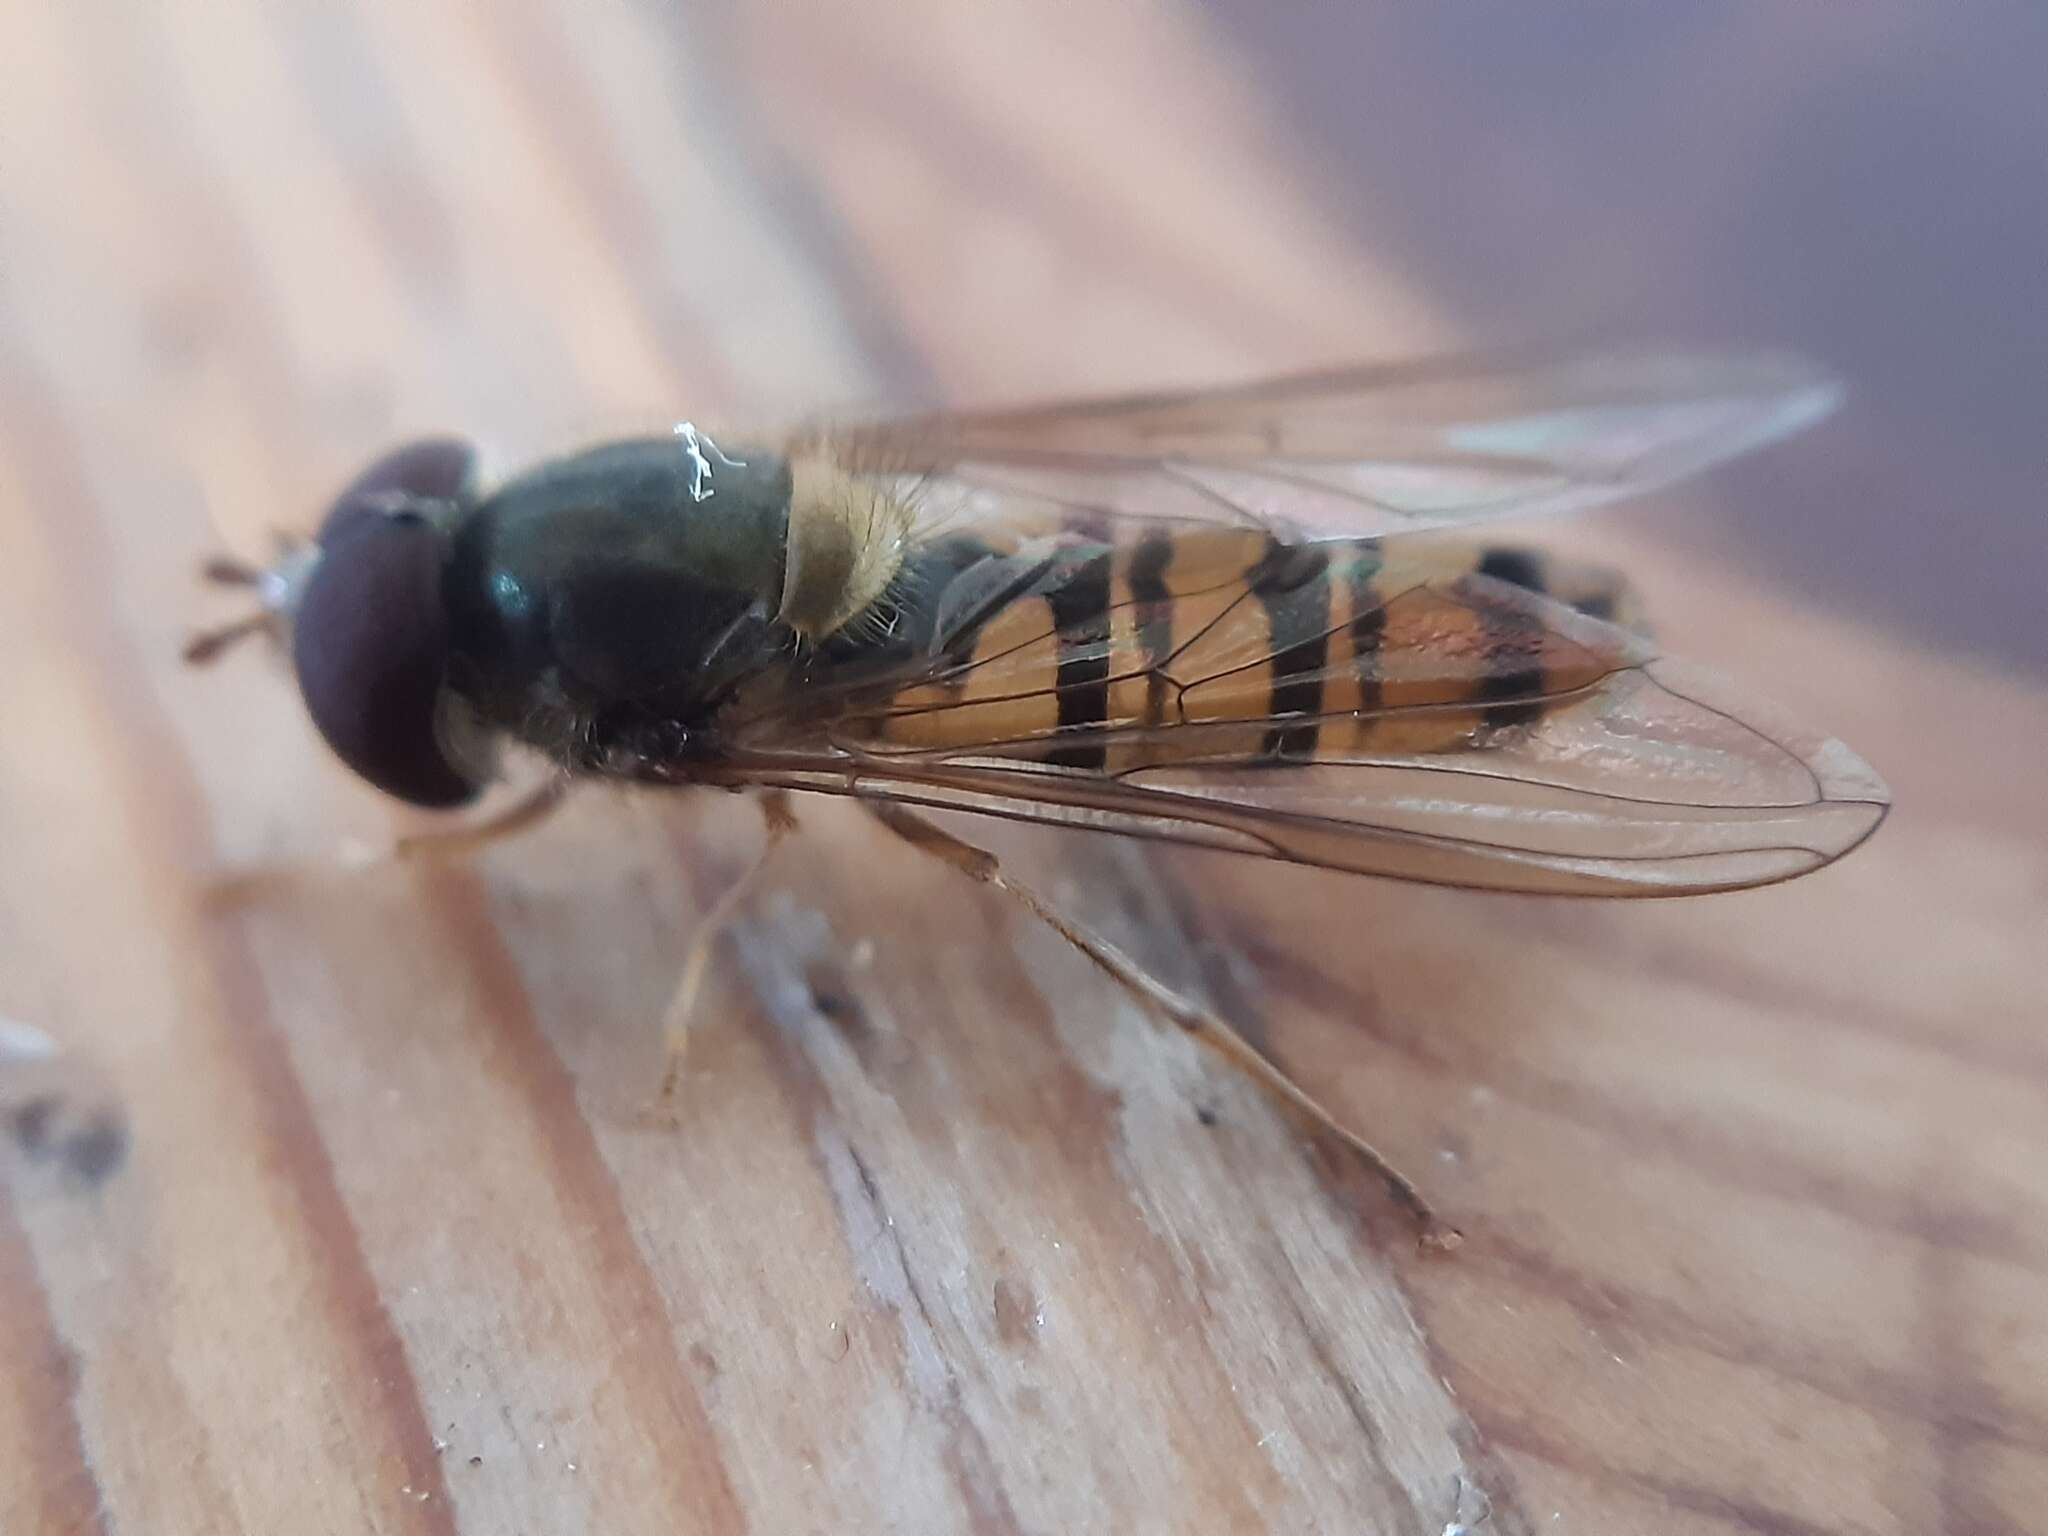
(778, 208)
(1858, 187)
(1756, 1187)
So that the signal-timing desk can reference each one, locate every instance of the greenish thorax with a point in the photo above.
(624, 574)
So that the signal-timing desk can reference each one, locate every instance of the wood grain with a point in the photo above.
(950, 1236)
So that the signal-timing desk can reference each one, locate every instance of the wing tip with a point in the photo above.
(1794, 393)
(1767, 397)
(1849, 799)
(1844, 777)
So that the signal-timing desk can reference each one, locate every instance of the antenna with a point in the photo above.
(227, 571)
(230, 571)
(276, 588)
(209, 643)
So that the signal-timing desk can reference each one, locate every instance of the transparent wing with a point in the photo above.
(1362, 451)
(1415, 646)
(1522, 747)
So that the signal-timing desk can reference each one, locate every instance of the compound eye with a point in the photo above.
(433, 469)
(370, 646)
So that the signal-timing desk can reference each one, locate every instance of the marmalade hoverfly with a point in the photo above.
(1199, 617)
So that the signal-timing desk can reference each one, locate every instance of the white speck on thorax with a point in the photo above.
(700, 450)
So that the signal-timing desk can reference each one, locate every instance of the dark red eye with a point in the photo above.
(370, 637)
(431, 469)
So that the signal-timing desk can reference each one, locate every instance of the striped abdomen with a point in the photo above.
(1221, 645)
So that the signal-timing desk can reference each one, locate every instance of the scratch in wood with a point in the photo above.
(1246, 1015)
(1354, 1401)
(871, 1236)
(890, 1280)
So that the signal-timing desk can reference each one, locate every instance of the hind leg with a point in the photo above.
(1208, 1028)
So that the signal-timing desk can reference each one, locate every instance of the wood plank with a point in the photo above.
(949, 1236)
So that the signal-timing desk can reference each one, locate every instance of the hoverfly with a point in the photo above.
(1201, 617)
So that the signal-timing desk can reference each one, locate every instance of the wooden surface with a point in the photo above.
(1755, 1186)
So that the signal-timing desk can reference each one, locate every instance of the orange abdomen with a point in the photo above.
(1221, 645)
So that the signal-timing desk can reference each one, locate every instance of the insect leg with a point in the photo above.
(1200, 1023)
(529, 810)
(779, 821)
(353, 857)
